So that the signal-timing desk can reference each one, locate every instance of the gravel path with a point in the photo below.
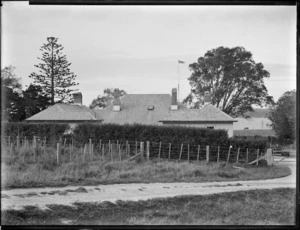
(41, 197)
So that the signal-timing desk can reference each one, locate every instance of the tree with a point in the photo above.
(34, 100)
(54, 75)
(283, 117)
(104, 100)
(11, 91)
(234, 80)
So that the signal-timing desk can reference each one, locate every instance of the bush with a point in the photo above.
(167, 134)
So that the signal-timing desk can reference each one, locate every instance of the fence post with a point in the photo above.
(218, 154)
(228, 154)
(70, 152)
(237, 157)
(257, 156)
(9, 141)
(207, 153)
(247, 156)
(188, 152)
(126, 148)
(90, 146)
(45, 145)
(136, 147)
(120, 152)
(109, 146)
(269, 157)
(58, 153)
(180, 152)
(103, 152)
(169, 151)
(72, 143)
(142, 150)
(18, 142)
(111, 153)
(159, 150)
(92, 151)
(198, 152)
(25, 142)
(34, 149)
(148, 150)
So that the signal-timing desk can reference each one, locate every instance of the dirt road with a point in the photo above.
(18, 198)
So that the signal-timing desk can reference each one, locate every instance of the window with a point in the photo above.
(210, 127)
(151, 107)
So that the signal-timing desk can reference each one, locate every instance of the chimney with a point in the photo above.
(116, 100)
(174, 105)
(207, 98)
(77, 99)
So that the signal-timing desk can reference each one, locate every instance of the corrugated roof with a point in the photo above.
(207, 113)
(258, 113)
(62, 112)
(134, 109)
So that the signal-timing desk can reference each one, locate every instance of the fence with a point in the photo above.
(68, 150)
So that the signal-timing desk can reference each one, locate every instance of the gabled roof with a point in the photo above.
(207, 113)
(258, 113)
(64, 112)
(134, 109)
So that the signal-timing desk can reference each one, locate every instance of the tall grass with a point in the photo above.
(19, 171)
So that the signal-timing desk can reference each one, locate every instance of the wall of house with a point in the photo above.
(252, 123)
(226, 126)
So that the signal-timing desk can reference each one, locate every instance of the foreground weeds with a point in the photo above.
(253, 207)
(23, 175)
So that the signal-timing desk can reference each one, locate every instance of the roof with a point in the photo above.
(134, 109)
(258, 113)
(64, 112)
(207, 113)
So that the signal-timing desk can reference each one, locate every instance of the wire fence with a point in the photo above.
(64, 150)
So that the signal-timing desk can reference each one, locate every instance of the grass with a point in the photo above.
(253, 207)
(23, 175)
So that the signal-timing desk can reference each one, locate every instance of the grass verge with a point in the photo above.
(24, 175)
(253, 207)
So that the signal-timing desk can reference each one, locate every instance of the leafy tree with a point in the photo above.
(234, 80)
(11, 91)
(283, 117)
(104, 100)
(34, 100)
(54, 75)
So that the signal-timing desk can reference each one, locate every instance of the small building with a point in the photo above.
(146, 109)
(258, 119)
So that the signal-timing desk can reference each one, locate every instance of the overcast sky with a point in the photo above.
(136, 48)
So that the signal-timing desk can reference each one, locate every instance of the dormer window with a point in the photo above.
(150, 107)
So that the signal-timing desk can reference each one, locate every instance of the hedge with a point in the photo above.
(167, 134)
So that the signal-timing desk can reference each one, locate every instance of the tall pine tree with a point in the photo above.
(54, 75)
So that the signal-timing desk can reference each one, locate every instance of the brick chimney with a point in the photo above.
(174, 104)
(77, 98)
(116, 100)
(207, 98)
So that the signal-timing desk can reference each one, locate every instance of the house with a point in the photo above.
(66, 113)
(147, 109)
(257, 120)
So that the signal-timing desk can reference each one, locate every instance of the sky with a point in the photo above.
(137, 48)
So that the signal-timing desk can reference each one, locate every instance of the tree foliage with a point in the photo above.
(104, 100)
(54, 76)
(283, 117)
(233, 78)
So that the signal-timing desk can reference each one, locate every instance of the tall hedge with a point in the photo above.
(169, 134)
(51, 131)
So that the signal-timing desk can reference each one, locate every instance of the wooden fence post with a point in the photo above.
(58, 153)
(218, 154)
(90, 146)
(9, 141)
(109, 146)
(180, 151)
(84, 151)
(92, 151)
(159, 150)
(198, 152)
(247, 156)
(237, 157)
(188, 152)
(111, 153)
(169, 151)
(136, 144)
(45, 140)
(148, 150)
(34, 149)
(70, 153)
(126, 148)
(257, 156)
(18, 142)
(25, 142)
(207, 153)
(120, 152)
(228, 154)
(142, 150)
(103, 152)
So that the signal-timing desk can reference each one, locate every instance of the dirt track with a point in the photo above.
(18, 198)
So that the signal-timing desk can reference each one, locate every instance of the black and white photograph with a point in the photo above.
(148, 115)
